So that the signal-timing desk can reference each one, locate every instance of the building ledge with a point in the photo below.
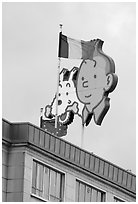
(27, 133)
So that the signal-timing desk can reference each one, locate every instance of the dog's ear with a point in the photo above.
(66, 75)
(74, 76)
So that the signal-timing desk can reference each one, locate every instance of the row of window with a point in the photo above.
(48, 184)
(87, 193)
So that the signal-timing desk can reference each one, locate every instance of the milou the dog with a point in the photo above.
(68, 103)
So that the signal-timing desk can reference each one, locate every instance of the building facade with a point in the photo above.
(38, 167)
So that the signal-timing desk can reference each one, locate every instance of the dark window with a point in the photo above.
(47, 182)
(87, 193)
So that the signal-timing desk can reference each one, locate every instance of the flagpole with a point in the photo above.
(58, 73)
(82, 135)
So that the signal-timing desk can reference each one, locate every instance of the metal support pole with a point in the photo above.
(82, 136)
(56, 116)
(58, 73)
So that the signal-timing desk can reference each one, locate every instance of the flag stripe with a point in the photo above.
(84, 50)
(63, 46)
(75, 49)
(87, 49)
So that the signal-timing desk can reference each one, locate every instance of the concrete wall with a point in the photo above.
(17, 177)
(69, 194)
(70, 180)
(4, 172)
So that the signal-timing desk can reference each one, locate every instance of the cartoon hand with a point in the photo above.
(73, 107)
(48, 111)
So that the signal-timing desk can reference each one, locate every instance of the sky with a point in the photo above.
(30, 60)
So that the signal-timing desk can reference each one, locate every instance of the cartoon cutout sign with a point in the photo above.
(68, 103)
(96, 79)
(84, 91)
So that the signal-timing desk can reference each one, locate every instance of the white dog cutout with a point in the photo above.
(68, 103)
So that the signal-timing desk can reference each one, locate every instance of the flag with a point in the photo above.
(75, 49)
(49, 126)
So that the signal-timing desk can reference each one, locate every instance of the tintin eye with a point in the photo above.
(59, 94)
(67, 93)
(95, 76)
(82, 78)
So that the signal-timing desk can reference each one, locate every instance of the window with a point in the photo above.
(87, 193)
(118, 200)
(47, 182)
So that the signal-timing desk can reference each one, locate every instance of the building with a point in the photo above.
(38, 166)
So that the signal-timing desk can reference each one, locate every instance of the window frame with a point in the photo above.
(119, 198)
(91, 185)
(63, 173)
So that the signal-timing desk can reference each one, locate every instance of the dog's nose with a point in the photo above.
(59, 102)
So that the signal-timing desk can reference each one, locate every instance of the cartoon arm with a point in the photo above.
(49, 110)
(74, 108)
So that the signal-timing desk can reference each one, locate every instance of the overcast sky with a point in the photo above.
(29, 73)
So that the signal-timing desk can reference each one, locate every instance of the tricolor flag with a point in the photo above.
(75, 49)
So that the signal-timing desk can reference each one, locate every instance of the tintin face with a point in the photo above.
(90, 84)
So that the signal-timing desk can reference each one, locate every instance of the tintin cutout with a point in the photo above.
(95, 80)
(84, 91)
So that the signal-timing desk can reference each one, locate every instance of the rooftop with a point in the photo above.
(27, 133)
